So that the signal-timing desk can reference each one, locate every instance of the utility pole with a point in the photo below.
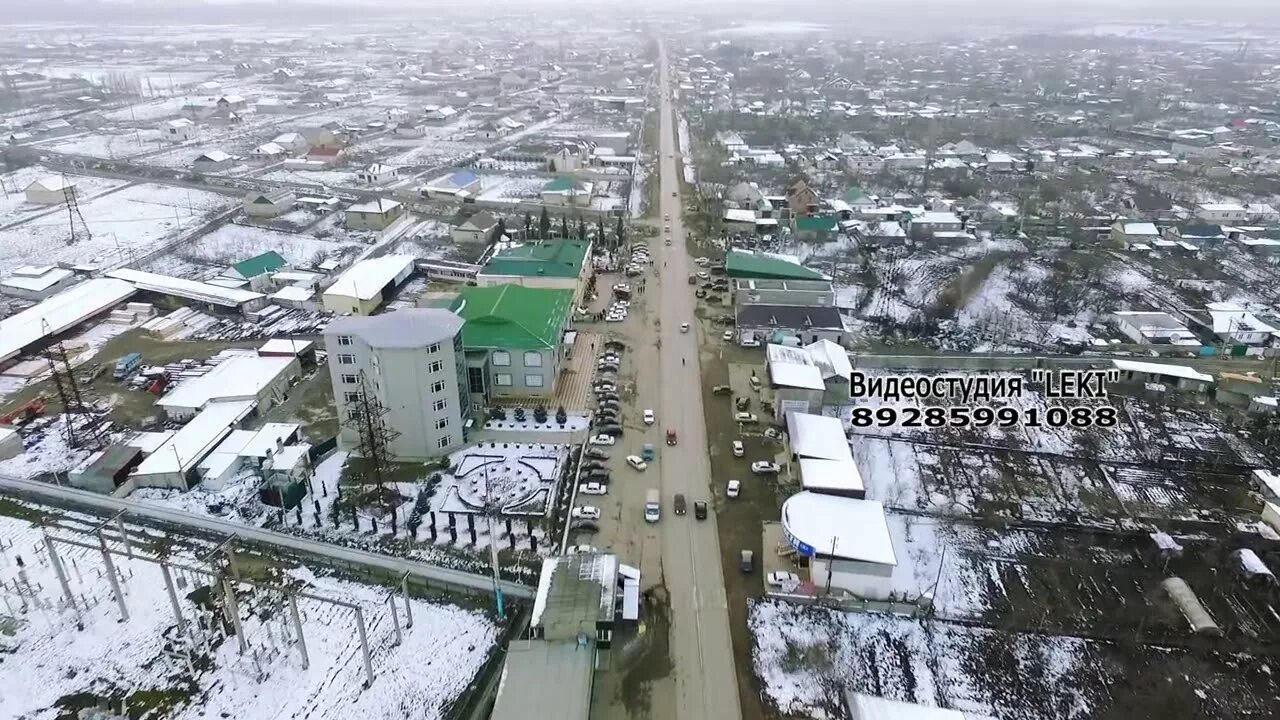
(64, 383)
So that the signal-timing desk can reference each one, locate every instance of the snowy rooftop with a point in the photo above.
(1140, 228)
(189, 289)
(285, 345)
(1178, 371)
(818, 436)
(37, 282)
(1229, 319)
(793, 375)
(869, 707)
(838, 476)
(366, 279)
(60, 312)
(238, 377)
(407, 328)
(196, 439)
(831, 359)
(855, 528)
(376, 206)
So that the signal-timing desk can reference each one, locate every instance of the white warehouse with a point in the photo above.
(264, 380)
(846, 540)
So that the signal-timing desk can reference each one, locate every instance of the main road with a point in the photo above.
(701, 649)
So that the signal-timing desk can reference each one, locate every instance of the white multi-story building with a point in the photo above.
(412, 360)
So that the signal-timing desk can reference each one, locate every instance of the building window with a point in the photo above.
(442, 423)
(501, 358)
(351, 397)
(433, 348)
(346, 359)
(533, 381)
(437, 386)
(349, 379)
(444, 442)
(502, 380)
(353, 413)
(439, 405)
(435, 367)
(533, 359)
(344, 340)
(475, 380)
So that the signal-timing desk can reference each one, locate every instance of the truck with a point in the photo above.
(126, 365)
(652, 506)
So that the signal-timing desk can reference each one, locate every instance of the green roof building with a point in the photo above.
(267, 262)
(762, 266)
(557, 264)
(815, 228)
(513, 338)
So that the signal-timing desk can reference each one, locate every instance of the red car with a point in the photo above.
(671, 437)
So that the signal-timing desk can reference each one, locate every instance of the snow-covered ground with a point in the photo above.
(112, 144)
(521, 478)
(125, 224)
(499, 187)
(234, 242)
(13, 199)
(439, 657)
(46, 451)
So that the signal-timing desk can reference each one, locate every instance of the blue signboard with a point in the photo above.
(801, 547)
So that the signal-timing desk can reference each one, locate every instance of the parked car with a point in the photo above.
(598, 475)
(590, 465)
(603, 439)
(586, 512)
(586, 526)
(649, 417)
(580, 549)
(773, 433)
(637, 462)
(738, 449)
(593, 488)
(764, 467)
(599, 453)
(746, 561)
(684, 327)
(680, 506)
(735, 487)
(782, 579)
(745, 417)
(721, 390)
(700, 509)
(610, 429)
(750, 343)
(728, 335)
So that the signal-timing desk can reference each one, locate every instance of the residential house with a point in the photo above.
(815, 228)
(180, 130)
(366, 285)
(461, 183)
(292, 142)
(1181, 378)
(743, 195)
(212, 161)
(1000, 162)
(441, 115)
(268, 151)
(857, 200)
(50, 190)
(325, 155)
(1152, 328)
(866, 164)
(1134, 235)
(513, 338)
(257, 270)
(567, 192)
(933, 223)
(272, 203)
(1227, 212)
(883, 233)
(1199, 235)
(410, 129)
(414, 363)
(330, 135)
(1235, 325)
(478, 228)
(379, 174)
(374, 215)
(801, 199)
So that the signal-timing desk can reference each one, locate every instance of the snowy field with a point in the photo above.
(806, 657)
(124, 224)
(498, 187)
(112, 144)
(234, 242)
(439, 657)
(521, 478)
(13, 203)
(46, 450)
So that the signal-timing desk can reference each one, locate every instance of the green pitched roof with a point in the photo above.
(853, 195)
(559, 184)
(815, 224)
(255, 266)
(561, 259)
(742, 264)
(513, 317)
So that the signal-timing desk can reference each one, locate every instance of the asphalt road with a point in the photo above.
(701, 649)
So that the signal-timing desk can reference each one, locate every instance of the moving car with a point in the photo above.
(738, 449)
(764, 467)
(586, 512)
(652, 505)
(593, 488)
(668, 242)
(700, 509)
(671, 437)
(684, 327)
(680, 504)
(735, 487)
(636, 462)
(649, 417)
(602, 439)
(746, 561)
(745, 417)
(580, 549)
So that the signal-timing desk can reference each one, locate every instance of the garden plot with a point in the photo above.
(806, 658)
(13, 200)
(1175, 435)
(105, 658)
(497, 187)
(112, 145)
(125, 224)
(519, 478)
(234, 242)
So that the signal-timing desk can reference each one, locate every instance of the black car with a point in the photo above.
(614, 430)
(680, 504)
(598, 453)
(594, 465)
(700, 509)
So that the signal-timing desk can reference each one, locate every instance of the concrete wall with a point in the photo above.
(867, 580)
(343, 304)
